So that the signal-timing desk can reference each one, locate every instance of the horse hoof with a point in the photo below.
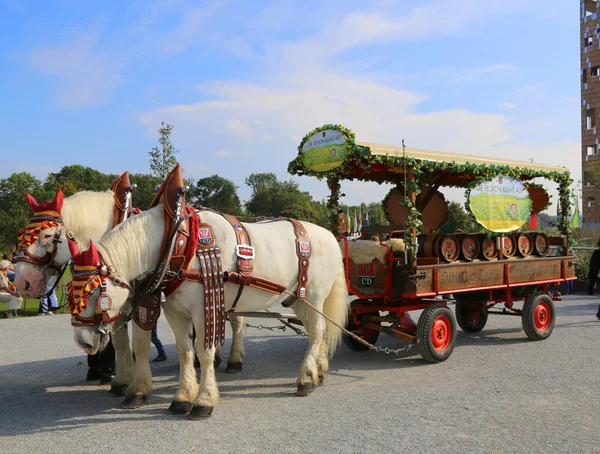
(321, 379)
(198, 413)
(180, 408)
(118, 390)
(234, 368)
(217, 361)
(135, 401)
(305, 390)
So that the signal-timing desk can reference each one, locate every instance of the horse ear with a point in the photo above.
(32, 202)
(73, 248)
(58, 201)
(93, 256)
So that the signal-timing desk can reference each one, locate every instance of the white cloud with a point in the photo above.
(506, 105)
(223, 153)
(266, 137)
(486, 70)
(86, 77)
(237, 127)
(298, 88)
(531, 91)
(191, 30)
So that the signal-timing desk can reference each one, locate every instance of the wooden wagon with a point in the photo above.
(416, 267)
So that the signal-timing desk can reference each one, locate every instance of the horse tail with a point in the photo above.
(336, 308)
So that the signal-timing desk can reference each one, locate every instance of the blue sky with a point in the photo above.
(243, 81)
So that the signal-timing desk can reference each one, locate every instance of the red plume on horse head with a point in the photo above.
(85, 258)
(55, 205)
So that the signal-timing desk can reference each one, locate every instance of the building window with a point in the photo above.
(589, 41)
(590, 7)
(587, 179)
(590, 119)
(591, 150)
(591, 201)
(595, 71)
(584, 76)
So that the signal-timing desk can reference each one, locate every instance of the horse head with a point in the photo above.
(43, 249)
(93, 313)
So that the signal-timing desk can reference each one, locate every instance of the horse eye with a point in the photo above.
(47, 236)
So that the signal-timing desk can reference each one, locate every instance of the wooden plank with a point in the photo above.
(463, 277)
(533, 270)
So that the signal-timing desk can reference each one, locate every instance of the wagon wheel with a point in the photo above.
(471, 317)
(436, 333)
(538, 316)
(369, 335)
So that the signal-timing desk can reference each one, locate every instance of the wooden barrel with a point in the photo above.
(469, 246)
(443, 246)
(524, 242)
(540, 244)
(487, 247)
(508, 246)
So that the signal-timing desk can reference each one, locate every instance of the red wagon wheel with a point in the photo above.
(471, 317)
(369, 335)
(538, 316)
(436, 333)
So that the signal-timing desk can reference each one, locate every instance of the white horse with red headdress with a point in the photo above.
(133, 250)
(44, 250)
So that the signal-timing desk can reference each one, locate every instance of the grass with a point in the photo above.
(31, 306)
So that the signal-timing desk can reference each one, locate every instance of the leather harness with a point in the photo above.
(185, 235)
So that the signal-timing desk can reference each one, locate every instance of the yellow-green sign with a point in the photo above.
(324, 150)
(500, 205)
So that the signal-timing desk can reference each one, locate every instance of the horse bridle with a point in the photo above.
(47, 261)
(101, 316)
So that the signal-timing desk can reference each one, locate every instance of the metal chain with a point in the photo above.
(299, 332)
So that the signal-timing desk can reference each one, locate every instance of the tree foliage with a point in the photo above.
(217, 193)
(14, 210)
(162, 159)
(75, 178)
(457, 219)
(271, 197)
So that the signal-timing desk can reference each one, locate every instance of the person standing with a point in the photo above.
(8, 292)
(594, 269)
(49, 303)
(162, 356)
(593, 273)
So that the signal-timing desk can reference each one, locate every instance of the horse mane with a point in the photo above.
(133, 247)
(88, 214)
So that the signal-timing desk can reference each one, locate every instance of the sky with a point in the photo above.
(243, 81)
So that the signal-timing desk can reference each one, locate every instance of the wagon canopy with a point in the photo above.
(331, 151)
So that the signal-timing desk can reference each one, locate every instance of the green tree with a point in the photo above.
(75, 178)
(14, 210)
(271, 197)
(458, 218)
(217, 193)
(162, 159)
(146, 188)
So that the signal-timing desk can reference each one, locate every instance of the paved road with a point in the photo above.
(498, 392)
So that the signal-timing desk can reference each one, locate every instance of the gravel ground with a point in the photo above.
(498, 393)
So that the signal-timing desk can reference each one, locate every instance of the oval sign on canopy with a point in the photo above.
(500, 205)
(324, 150)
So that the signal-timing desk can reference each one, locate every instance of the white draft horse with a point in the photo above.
(132, 251)
(88, 215)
